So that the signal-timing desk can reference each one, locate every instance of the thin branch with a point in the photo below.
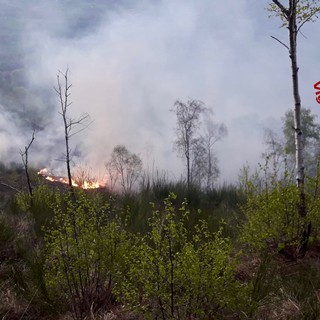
(24, 157)
(85, 127)
(83, 117)
(284, 10)
(302, 34)
(280, 42)
(307, 19)
(30, 143)
(11, 187)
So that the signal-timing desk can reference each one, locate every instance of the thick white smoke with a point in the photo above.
(129, 66)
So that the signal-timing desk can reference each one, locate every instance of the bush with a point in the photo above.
(170, 277)
(39, 206)
(83, 249)
(272, 218)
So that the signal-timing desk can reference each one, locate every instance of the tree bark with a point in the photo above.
(296, 96)
(290, 15)
(25, 159)
(293, 31)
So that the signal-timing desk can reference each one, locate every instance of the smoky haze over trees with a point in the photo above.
(26, 103)
(281, 147)
(195, 141)
(38, 38)
(124, 168)
(159, 236)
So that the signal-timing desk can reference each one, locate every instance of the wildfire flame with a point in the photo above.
(93, 184)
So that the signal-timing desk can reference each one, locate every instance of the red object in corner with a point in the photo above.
(317, 87)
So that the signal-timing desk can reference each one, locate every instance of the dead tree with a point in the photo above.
(63, 92)
(24, 157)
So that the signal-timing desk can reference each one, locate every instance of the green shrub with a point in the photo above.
(83, 249)
(40, 207)
(272, 218)
(169, 277)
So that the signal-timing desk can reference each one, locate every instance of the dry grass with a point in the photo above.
(280, 310)
(11, 306)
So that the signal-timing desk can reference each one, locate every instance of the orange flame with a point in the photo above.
(94, 184)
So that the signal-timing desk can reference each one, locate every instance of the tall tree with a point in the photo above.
(280, 152)
(294, 16)
(125, 166)
(199, 162)
(25, 159)
(213, 132)
(310, 128)
(310, 139)
(276, 156)
(188, 122)
(63, 92)
(195, 140)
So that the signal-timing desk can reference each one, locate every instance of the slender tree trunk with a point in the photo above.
(67, 128)
(209, 178)
(300, 175)
(25, 159)
(187, 153)
(292, 15)
(297, 100)
(27, 174)
(297, 106)
(188, 170)
(68, 160)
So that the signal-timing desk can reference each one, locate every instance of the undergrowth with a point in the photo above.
(163, 253)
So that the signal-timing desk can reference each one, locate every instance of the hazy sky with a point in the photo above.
(129, 68)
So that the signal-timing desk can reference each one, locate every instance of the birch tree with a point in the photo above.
(213, 133)
(125, 167)
(197, 133)
(188, 122)
(310, 127)
(294, 14)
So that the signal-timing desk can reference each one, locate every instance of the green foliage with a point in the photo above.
(21, 255)
(310, 129)
(220, 203)
(6, 234)
(124, 167)
(83, 250)
(306, 11)
(272, 217)
(171, 277)
(39, 206)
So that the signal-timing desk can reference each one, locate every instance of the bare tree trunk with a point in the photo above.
(187, 155)
(293, 31)
(69, 123)
(24, 156)
(297, 13)
(209, 178)
(68, 158)
(297, 101)
(188, 170)
(290, 15)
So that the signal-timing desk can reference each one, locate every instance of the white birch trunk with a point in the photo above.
(297, 100)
